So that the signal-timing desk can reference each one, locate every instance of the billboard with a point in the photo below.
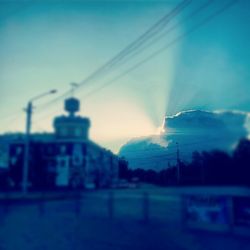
(241, 211)
(206, 209)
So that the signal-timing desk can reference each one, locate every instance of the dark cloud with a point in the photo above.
(193, 130)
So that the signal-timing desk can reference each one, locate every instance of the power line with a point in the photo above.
(210, 17)
(152, 31)
(142, 39)
(171, 29)
(131, 46)
(156, 28)
(190, 31)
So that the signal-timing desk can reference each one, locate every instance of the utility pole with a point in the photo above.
(27, 148)
(26, 160)
(178, 163)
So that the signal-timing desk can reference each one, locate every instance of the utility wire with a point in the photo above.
(159, 51)
(168, 31)
(210, 17)
(155, 29)
(142, 39)
(152, 31)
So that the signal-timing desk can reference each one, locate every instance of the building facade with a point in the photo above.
(65, 158)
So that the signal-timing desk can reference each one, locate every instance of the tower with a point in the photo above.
(72, 105)
(72, 126)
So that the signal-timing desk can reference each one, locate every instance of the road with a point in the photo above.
(94, 222)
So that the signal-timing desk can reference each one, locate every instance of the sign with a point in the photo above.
(206, 209)
(241, 211)
(62, 169)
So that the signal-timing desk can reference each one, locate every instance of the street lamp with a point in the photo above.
(27, 139)
(178, 163)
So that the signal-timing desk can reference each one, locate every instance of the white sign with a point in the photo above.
(62, 169)
(206, 209)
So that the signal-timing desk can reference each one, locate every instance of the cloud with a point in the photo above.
(193, 130)
(227, 127)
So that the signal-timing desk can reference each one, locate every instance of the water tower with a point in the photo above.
(72, 126)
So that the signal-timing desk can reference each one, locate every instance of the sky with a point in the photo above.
(50, 44)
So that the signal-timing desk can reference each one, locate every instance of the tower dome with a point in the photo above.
(72, 105)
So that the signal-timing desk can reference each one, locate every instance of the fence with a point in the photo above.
(228, 213)
(139, 206)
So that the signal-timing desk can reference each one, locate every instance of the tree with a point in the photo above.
(241, 159)
(124, 172)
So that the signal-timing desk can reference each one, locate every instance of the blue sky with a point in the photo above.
(215, 64)
(49, 44)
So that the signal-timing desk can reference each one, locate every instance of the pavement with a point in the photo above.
(92, 224)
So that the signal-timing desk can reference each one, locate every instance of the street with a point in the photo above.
(121, 219)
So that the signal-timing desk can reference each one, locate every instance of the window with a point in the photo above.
(63, 131)
(78, 132)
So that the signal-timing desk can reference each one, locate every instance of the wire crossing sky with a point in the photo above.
(49, 44)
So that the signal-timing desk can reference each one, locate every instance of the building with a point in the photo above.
(65, 158)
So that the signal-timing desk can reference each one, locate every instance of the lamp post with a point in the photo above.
(27, 139)
(178, 163)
